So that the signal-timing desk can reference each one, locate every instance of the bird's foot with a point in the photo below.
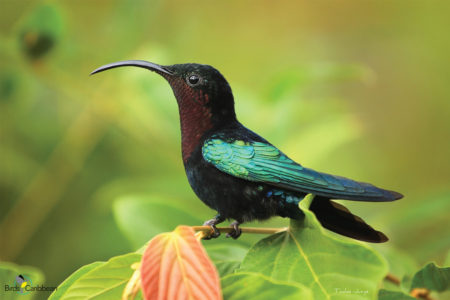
(215, 233)
(236, 232)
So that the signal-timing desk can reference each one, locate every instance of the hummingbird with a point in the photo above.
(240, 174)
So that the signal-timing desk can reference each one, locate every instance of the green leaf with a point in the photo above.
(223, 251)
(247, 285)
(432, 278)
(66, 284)
(226, 256)
(8, 273)
(307, 255)
(101, 280)
(393, 295)
(140, 219)
(227, 267)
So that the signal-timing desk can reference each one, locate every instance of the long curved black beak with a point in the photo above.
(135, 63)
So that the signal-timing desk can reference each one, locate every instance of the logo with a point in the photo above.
(22, 282)
(23, 285)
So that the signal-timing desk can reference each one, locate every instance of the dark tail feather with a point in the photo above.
(339, 219)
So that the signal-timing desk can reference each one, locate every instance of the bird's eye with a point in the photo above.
(193, 80)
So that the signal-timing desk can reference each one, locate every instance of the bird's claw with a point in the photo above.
(236, 232)
(215, 233)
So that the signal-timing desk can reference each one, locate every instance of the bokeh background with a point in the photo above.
(355, 88)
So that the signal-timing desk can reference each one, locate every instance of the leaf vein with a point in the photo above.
(308, 263)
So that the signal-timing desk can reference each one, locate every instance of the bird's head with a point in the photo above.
(196, 87)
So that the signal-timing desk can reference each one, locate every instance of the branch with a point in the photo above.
(207, 230)
(393, 279)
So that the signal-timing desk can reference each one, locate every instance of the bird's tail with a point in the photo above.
(339, 219)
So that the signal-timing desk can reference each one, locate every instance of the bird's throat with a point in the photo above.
(195, 119)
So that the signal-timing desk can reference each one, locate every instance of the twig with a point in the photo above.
(207, 230)
(392, 278)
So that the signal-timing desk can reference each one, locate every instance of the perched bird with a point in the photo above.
(240, 174)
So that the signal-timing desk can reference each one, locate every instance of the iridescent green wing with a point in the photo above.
(262, 162)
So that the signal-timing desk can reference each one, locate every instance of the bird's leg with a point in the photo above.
(236, 232)
(212, 223)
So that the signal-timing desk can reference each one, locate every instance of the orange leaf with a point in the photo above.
(175, 266)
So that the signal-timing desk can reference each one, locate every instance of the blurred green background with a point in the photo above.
(355, 88)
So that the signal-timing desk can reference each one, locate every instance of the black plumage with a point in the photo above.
(240, 174)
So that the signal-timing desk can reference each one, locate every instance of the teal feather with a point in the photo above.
(262, 162)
